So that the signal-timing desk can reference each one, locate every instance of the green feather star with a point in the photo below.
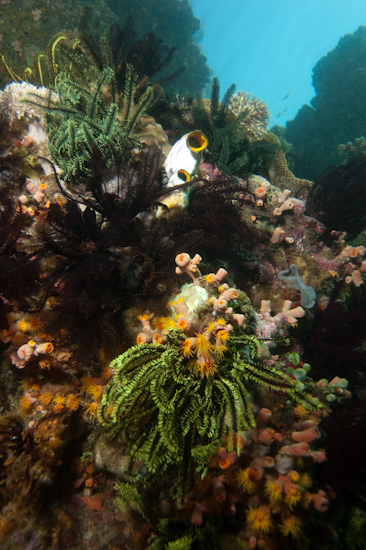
(168, 416)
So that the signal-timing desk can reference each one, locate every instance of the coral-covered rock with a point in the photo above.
(337, 112)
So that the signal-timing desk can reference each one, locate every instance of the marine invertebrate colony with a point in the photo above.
(176, 400)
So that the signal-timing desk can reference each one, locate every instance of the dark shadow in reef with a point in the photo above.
(115, 253)
(334, 342)
(338, 197)
(337, 112)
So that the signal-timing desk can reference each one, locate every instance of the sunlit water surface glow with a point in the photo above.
(269, 48)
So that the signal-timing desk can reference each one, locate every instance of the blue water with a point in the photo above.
(269, 47)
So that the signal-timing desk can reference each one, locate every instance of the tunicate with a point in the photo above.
(300, 374)
(342, 383)
(293, 280)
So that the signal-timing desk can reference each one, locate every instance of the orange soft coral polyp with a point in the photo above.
(203, 346)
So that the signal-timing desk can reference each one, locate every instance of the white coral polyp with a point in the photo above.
(13, 96)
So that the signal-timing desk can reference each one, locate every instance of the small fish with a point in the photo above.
(285, 97)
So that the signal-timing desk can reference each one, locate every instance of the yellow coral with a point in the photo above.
(89, 387)
(291, 526)
(49, 347)
(59, 399)
(301, 412)
(294, 476)
(25, 404)
(307, 499)
(182, 324)
(158, 339)
(204, 368)
(54, 442)
(72, 401)
(293, 497)
(173, 303)
(210, 278)
(91, 408)
(219, 350)
(244, 481)
(86, 382)
(144, 317)
(163, 323)
(95, 391)
(222, 335)
(141, 339)
(22, 325)
(274, 492)
(46, 398)
(186, 347)
(259, 520)
(305, 480)
(203, 346)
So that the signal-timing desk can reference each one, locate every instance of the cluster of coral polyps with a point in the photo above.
(286, 236)
(272, 202)
(32, 443)
(26, 342)
(268, 485)
(270, 480)
(207, 333)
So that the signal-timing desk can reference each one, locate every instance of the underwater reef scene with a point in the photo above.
(182, 323)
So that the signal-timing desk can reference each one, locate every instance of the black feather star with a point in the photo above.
(104, 253)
